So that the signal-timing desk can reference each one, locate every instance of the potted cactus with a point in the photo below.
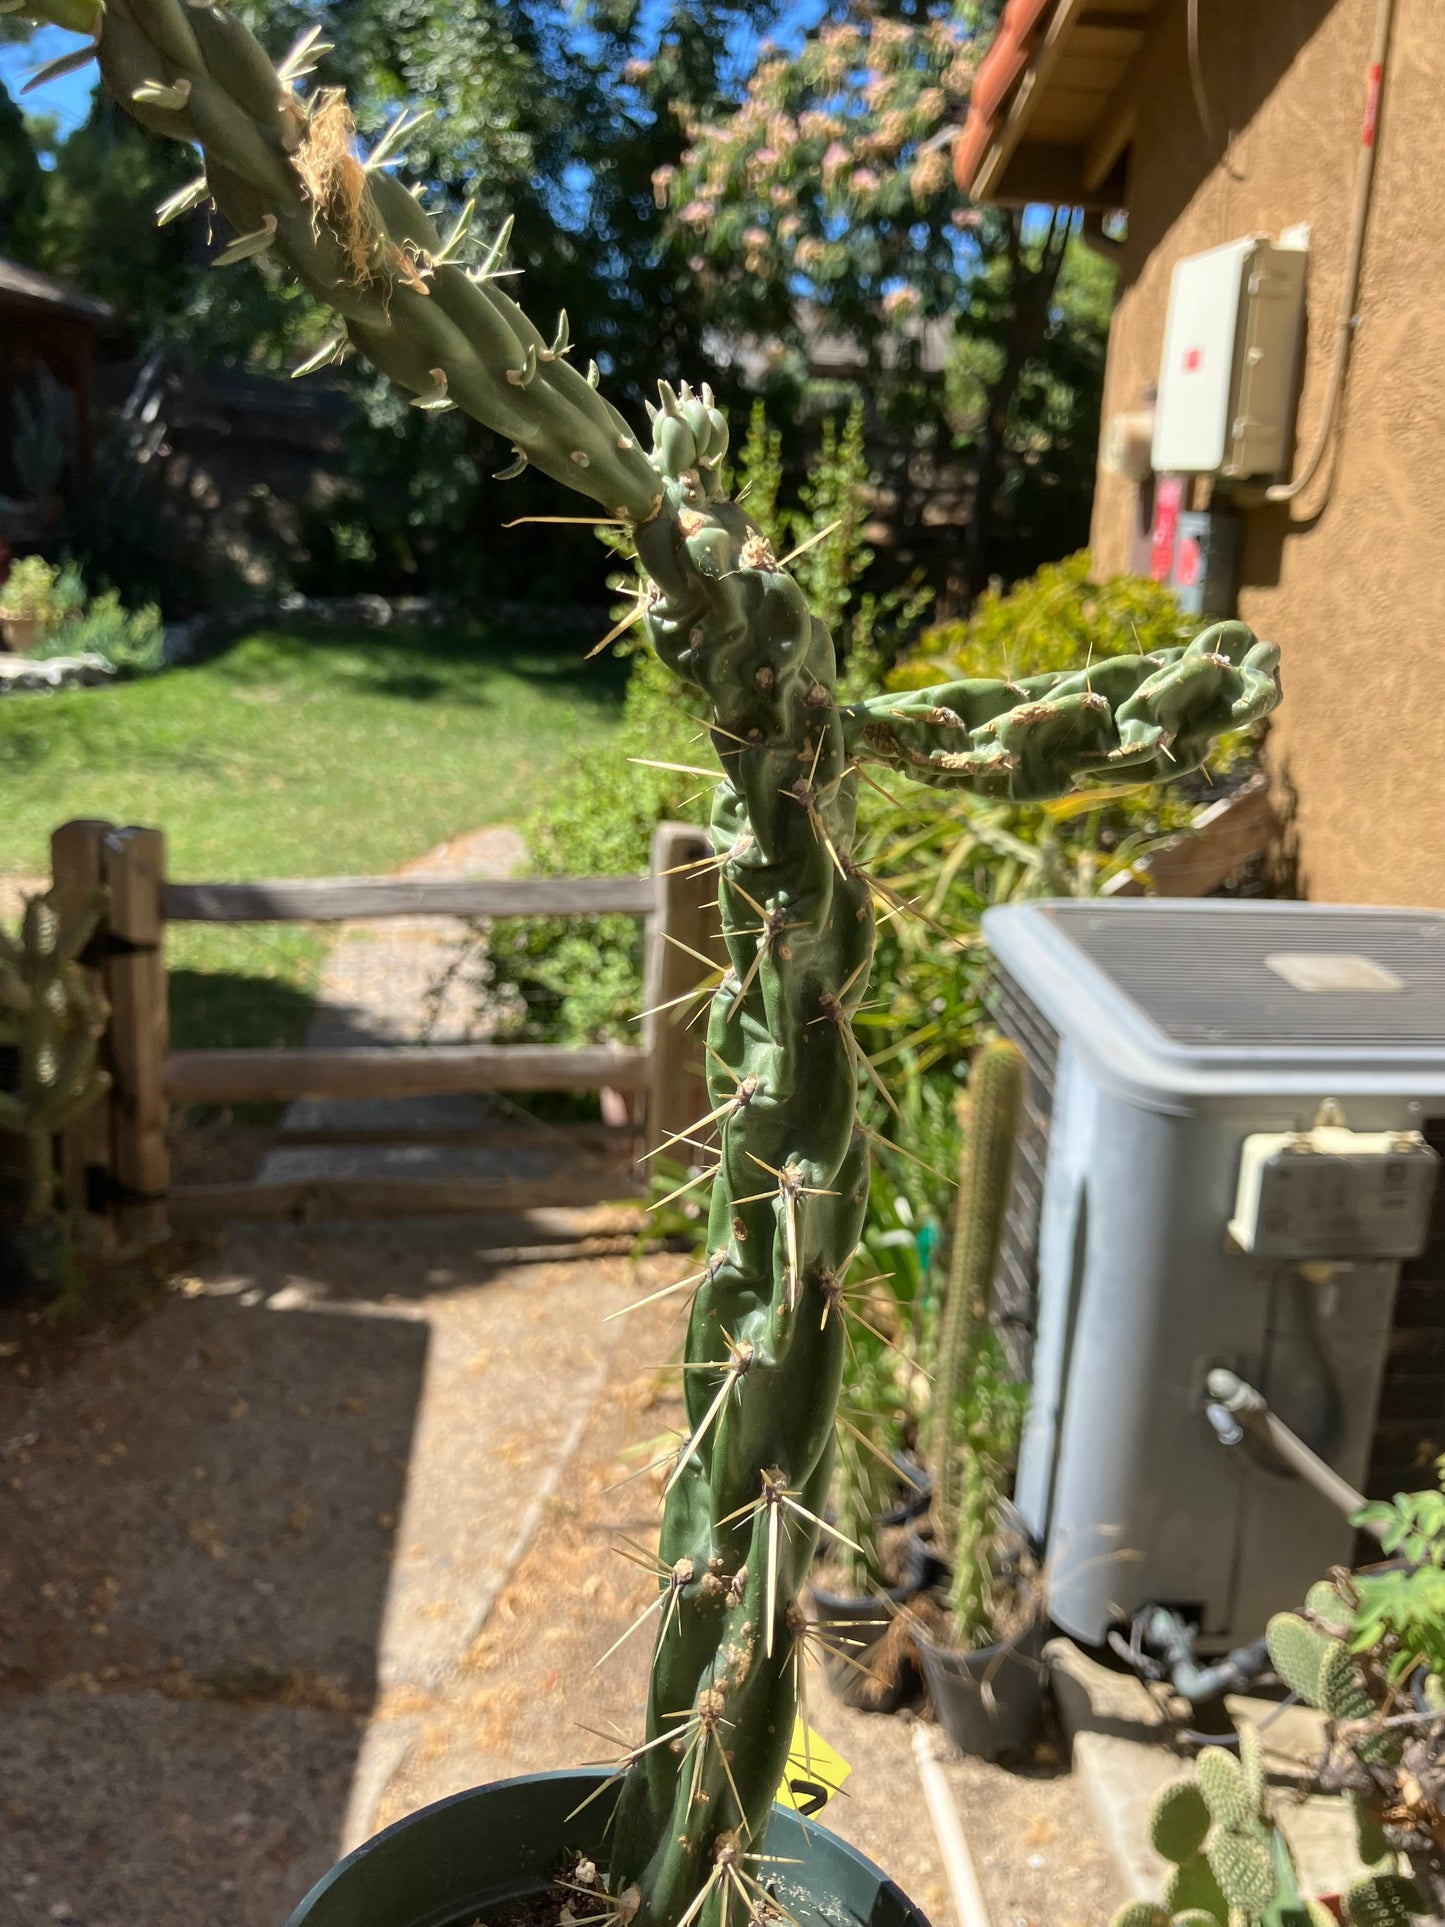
(687, 1809)
(983, 1667)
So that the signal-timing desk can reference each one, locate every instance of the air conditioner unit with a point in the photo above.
(1181, 1055)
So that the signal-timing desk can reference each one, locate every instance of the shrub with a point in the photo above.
(578, 980)
(28, 591)
(132, 641)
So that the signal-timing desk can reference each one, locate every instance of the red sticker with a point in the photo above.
(1168, 501)
(1193, 360)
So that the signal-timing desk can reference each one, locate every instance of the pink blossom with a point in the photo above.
(697, 213)
(863, 181)
(834, 157)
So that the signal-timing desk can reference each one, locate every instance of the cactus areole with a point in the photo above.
(790, 1185)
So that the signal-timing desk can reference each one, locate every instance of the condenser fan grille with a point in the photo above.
(1205, 980)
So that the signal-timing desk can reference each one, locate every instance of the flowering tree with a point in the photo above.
(826, 200)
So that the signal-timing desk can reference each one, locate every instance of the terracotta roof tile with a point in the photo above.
(999, 73)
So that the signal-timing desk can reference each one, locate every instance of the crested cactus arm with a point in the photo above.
(1136, 719)
(285, 173)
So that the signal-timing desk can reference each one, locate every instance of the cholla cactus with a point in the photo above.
(765, 1338)
(51, 1019)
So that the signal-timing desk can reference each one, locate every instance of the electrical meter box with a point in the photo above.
(1229, 373)
(1334, 1194)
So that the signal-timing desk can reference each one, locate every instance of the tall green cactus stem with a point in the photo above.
(765, 1336)
(52, 1019)
(995, 1109)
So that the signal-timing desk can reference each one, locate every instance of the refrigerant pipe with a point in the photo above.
(1230, 1398)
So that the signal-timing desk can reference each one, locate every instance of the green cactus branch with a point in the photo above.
(790, 1164)
(1135, 719)
(284, 172)
(994, 1112)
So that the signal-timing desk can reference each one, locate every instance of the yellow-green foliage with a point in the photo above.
(1054, 619)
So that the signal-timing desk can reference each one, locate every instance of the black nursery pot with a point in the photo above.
(991, 1702)
(915, 1492)
(857, 1627)
(480, 1851)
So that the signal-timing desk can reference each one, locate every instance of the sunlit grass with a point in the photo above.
(324, 753)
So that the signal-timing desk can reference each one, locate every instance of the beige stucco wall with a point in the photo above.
(1350, 578)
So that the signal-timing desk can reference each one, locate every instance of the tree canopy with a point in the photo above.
(693, 192)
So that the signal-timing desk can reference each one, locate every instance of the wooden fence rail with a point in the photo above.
(427, 1070)
(352, 899)
(115, 1157)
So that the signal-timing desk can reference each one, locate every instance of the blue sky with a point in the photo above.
(68, 98)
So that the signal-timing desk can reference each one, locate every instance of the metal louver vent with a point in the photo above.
(1016, 1288)
(1204, 980)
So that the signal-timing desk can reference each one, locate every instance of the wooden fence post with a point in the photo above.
(135, 982)
(682, 932)
(77, 869)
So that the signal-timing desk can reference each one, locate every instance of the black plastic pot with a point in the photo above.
(478, 1852)
(857, 1628)
(990, 1703)
(915, 1492)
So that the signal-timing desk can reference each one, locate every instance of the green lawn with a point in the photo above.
(299, 753)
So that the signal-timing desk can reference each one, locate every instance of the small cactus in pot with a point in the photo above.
(765, 1341)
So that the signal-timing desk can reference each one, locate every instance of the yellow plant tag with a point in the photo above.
(814, 1773)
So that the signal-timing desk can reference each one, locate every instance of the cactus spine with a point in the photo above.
(789, 1189)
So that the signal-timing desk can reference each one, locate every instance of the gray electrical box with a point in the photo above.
(1177, 1050)
(1229, 369)
(1332, 1193)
